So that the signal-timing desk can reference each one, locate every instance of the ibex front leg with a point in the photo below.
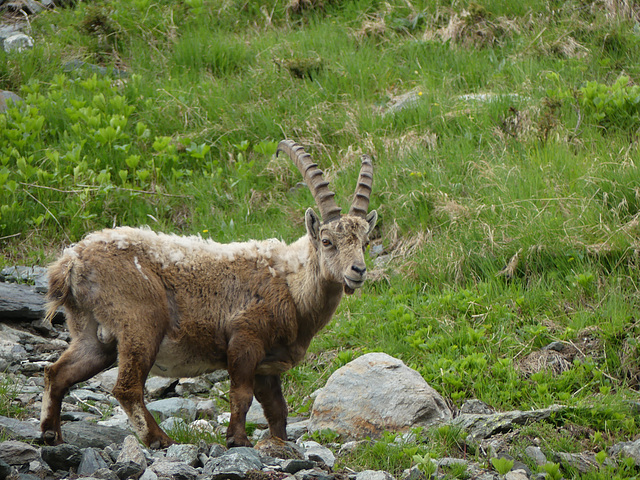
(243, 356)
(135, 359)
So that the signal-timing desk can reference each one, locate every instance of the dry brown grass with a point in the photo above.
(473, 28)
(621, 9)
(373, 27)
(402, 145)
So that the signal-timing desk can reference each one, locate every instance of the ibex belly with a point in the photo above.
(178, 360)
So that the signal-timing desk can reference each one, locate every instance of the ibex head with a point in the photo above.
(339, 239)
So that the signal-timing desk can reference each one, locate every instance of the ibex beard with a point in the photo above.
(183, 306)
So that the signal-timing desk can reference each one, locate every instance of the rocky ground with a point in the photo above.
(100, 443)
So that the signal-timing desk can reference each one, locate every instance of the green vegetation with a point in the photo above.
(505, 138)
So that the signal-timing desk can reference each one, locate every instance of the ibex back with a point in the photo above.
(182, 306)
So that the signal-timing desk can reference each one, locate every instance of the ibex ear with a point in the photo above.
(371, 219)
(312, 221)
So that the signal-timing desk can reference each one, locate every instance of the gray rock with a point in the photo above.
(118, 419)
(158, 386)
(449, 461)
(17, 42)
(313, 474)
(20, 273)
(206, 409)
(174, 470)
(18, 453)
(349, 447)
(402, 102)
(5, 470)
(91, 462)
(297, 429)
(476, 406)
(217, 376)
(373, 394)
(105, 474)
(516, 475)
(255, 415)
(106, 380)
(216, 450)
(535, 454)
(84, 395)
(85, 434)
(78, 417)
(28, 6)
(233, 464)
(128, 470)
(192, 386)
(172, 423)
(148, 475)
(19, 430)
(173, 407)
(61, 457)
(294, 465)
(185, 453)
(318, 453)
(20, 302)
(132, 452)
(480, 426)
(626, 449)
(40, 469)
(374, 475)
(413, 473)
(582, 462)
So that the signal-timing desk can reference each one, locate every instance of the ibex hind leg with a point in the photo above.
(135, 359)
(84, 358)
(268, 391)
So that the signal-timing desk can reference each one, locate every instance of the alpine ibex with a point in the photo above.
(182, 306)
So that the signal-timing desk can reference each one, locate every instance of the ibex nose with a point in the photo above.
(359, 270)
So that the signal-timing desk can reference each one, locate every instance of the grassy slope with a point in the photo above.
(462, 184)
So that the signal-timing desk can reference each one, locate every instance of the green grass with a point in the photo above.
(546, 169)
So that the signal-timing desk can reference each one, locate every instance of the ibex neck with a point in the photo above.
(315, 297)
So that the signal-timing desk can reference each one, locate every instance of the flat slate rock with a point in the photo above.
(20, 302)
(19, 430)
(86, 434)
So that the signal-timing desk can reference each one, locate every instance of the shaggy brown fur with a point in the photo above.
(183, 306)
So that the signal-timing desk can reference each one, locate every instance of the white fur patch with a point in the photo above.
(137, 264)
(169, 249)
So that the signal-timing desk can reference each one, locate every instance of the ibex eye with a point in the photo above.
(326, 243)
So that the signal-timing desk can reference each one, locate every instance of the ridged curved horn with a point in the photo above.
(363, 189)
(312, 175)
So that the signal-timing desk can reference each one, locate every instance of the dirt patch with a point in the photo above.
(558, 357)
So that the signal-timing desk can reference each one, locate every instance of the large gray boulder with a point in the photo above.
(373, 394)
(21, 302)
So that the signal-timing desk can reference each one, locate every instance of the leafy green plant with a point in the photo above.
(324, 436)
(552, 470)
(502, 465)
(425, 464)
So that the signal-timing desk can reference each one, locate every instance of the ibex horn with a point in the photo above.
(363, 189)
(312, 175)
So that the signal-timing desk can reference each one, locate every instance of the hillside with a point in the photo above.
(505, 146)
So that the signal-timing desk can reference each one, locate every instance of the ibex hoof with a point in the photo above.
(232, 442)
(50, 437)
